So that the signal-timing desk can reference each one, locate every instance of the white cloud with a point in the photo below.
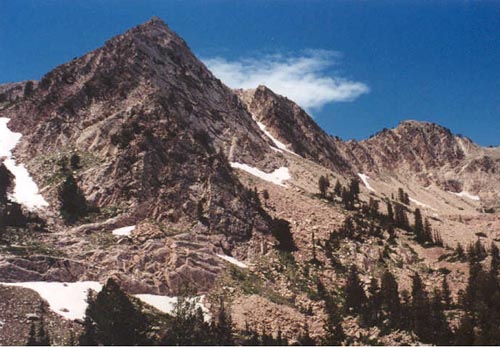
(305, 79)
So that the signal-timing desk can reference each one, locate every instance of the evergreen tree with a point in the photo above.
(6, 180)
(323, 184)
(420, 308)
(460, 252)
(355, 297)
(495, 259)
(338, 189)
(32, 340)
(75, 161)
(265, 195)
(347, 199)
(373, 208)
(305, 339)
(428, 237)
(88, 336)
(446, 292)
(280, 229)
(42, 335)
(314, 259)
(374, 302)
(334, 333)
(439, 329)
(73, 203)
(401, 195)
(390, 213)
(223, 329)
(115, 319)
(347, 229)
(400, 219)
(28, 89)
(465, 336)
(354, 189)
(389, 298)
(418, 227)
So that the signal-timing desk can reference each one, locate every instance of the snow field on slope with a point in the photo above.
(69, 299)
(415, 201)
(277, 177)
(166, 304)
(25, 189)
(64, 298)
(365, 178)
(280, 145)
(125, 231)
(233, 260)
(468, 195)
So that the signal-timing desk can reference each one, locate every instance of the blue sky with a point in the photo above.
(357, 66)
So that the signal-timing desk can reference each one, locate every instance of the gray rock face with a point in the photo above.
(160, 125)
(420, 152)
(293, 126)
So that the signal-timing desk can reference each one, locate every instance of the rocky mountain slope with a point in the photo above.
(188, 181)
(422, 152)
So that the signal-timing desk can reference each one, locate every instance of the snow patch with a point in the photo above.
(125, 231)
(166, 304)
(365, 178)
(415, 201)
(277, 177)
(468, 195)
(233, 260)
(8, 139)
(25, 190)
(279, 145)
(67, 299)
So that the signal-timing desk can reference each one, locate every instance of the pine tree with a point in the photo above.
(495, 260)
(465, 336)
(390, 213)
(32, 341)
(314, 259)
(265, 195)
(428, 234)
(88, 336)
(460, 252)
(389, 298)
(355, 297)
(323, 184)
(75, 161)
(439, 329)
(115, 319)
(28, 89)
(374, 302)
(354, 189)
(305, 339)
(446, 292)
(338, 189)
(73, 203)
(42, 335)
(334, 333)
(418, 227)
(223, 329)
(400, 219)
(401, 195)
(6, 181)
(420, 307)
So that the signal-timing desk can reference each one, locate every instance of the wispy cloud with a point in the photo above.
(306, 79)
